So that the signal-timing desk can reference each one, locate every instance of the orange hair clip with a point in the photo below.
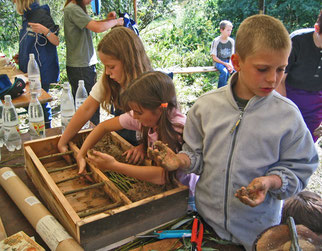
(164, 105)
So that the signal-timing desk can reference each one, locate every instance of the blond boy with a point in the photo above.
(249, 144)
(221, 50)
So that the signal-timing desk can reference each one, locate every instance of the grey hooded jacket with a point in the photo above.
(230, 148)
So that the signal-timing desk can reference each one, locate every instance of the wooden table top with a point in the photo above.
(12, 218)
(24, 99)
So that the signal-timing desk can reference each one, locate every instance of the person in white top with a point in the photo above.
(124, 57)
(81, 58)
(153, 110)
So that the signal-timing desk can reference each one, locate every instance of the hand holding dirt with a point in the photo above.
(163, 156)
(135, 155)
(255, 192)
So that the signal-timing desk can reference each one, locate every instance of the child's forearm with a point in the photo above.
(153, 174)
(184, 161)
(103, 25)
(275, 182)
(97, 133)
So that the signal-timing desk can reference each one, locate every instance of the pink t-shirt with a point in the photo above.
(128, 122)
(177, 118)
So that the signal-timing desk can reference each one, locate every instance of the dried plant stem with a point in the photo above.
(13, 165)
(12, 157)
(55, 155)
(84, 188)
(73, 178)
(88, 212)
(62, 168)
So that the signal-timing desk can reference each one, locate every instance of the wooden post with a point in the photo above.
(261, 7)
(135, 11)
(3, 233)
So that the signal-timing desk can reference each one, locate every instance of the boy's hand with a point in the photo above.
(255, 192)
(135, 155)
(163, 156)
(101, 160)
(229, 67)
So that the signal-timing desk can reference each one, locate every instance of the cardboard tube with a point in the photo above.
(3, 233)
(50, 230)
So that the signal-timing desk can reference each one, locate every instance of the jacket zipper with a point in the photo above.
(233, 129)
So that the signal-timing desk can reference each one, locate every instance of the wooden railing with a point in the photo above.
(191, 70)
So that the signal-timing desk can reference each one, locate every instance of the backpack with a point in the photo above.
(7, 88)
(129, 23)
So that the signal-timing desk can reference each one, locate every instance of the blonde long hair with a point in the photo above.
(124, 45)
(23, 5)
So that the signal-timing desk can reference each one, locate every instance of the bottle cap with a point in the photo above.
(81, 82)
(66, 85)
(31, 55)
(34, 94)
(7, 98)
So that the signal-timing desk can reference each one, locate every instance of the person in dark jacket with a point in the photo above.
(302, 82)
(38, 35)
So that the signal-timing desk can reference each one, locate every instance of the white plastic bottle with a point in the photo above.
(12, 137)
(67, 108)
(36, 118)
(81, 96)
(1, 125)
(34, 75)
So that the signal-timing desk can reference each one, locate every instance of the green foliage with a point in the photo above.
(295, 14)
(150, 10)
(9, 28)
(183, 40)
(175, 33)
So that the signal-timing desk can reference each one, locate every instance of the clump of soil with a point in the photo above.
(133, 188)
(106, 145)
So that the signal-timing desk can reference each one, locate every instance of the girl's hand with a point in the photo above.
(163, 156)
(135, 155)
(101, 160)
(255, 192)
(38, 28)
(81, 162)
(64, 148)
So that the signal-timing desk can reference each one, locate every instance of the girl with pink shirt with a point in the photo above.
(152, 110)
